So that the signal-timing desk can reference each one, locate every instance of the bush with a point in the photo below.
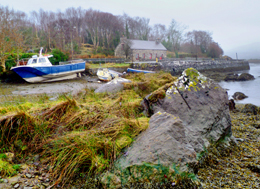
(58, 56)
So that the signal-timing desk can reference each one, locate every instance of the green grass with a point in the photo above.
(81, 134)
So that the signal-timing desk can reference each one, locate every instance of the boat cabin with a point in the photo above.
(39, 61)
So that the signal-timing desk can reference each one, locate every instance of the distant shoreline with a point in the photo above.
(253, 60)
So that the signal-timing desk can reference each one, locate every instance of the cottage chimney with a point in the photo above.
(123, 39)
(157, 41)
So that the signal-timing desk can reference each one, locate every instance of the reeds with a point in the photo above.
(81, 134)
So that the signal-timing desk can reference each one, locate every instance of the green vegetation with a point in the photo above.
(77, 135)
(58, 56)
(6, 168)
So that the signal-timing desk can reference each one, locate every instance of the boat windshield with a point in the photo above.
(32, 61)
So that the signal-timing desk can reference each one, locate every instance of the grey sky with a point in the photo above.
(234, 23)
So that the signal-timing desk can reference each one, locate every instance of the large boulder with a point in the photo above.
(245, 77)
(193, 114)
(113, 86)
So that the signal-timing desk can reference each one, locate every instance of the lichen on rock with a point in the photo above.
(190, 78)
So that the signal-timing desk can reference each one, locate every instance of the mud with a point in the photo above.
(69, 86)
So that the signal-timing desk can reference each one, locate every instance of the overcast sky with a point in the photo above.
(233, 23)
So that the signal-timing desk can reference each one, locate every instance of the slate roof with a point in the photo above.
(146, 45)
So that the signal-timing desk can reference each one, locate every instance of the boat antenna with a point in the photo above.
(40, 54)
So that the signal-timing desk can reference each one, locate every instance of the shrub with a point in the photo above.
(58, 56)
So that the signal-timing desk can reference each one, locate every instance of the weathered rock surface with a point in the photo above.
(193, 115)
(231, 77)
(165, 140)
(113, 86)
(250, 108)
(245, 77)
(239, 96)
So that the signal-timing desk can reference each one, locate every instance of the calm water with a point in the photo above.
(249, 88)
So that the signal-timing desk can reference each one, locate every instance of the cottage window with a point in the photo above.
(137, 56)
(123, 45)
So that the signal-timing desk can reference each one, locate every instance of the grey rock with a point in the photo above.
(239, 96)
(250, 108)
(113, 86)
(231, 77)
(190, 117)
(28, 175)
(245, 77)
(40, 178)
(165, 140)
(17, 185)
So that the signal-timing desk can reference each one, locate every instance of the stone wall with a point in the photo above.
(105, 60)
(200, 65)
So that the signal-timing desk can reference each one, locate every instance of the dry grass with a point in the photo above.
(81, 134)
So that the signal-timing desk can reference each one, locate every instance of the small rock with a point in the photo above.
(5, 180)
(47, 180)
(240, 139)
(17, 185)
(28, 175)
(45, 184)
(239, 96)
(40, 178)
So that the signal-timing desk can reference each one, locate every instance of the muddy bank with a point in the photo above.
(69, 86)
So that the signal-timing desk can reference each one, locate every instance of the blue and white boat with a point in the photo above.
(131, 70)
(40, 69)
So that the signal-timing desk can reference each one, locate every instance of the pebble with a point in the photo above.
(17, 185)
(28, 175)
(40, 178)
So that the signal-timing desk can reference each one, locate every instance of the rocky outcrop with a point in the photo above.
(250, 108)
(241, 77)
(245, 77)
(113, 86)
(239, 96)
(193, 114)
(231, 77)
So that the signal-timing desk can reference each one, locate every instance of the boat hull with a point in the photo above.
(49, 73)
(131, 70)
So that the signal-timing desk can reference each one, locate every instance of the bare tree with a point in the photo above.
(158, 32)
(10, 36)
(174, 36)
(201, 39)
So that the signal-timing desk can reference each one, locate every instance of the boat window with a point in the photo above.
(42, 60)
(32, 61)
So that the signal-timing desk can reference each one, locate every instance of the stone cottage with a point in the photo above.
(137, 50)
